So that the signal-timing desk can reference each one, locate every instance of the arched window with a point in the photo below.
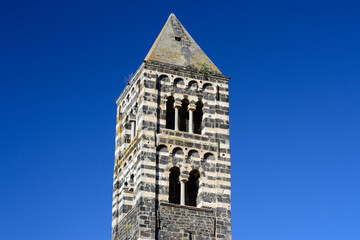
(198, 114)
(162, 149)
(179, 82)
(192, 187)
(174, 185)
(209, 156)
(193, 154)
(184, 116)
(160, 81)
(177, 152)
(193, 85)
(208, 87)
(170, 113)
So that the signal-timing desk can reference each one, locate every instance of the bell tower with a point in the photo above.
(172, 154)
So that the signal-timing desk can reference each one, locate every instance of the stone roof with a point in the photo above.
(174, 45)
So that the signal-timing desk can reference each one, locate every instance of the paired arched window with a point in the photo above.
(191, 187)
(182, 121)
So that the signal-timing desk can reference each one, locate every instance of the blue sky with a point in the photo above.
(294, 111)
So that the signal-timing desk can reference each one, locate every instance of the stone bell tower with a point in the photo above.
(172, 154)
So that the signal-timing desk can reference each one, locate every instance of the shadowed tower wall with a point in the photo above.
(172, 154)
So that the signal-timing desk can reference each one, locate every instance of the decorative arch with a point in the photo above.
(193, 85)
(179, 82)
(193, 154)
(163, 78)
(177, 152)
(208, 87)
(209, 156)
(162, 149)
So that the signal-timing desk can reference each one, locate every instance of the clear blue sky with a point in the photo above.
(294, 111)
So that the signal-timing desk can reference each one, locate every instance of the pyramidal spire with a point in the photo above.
(174, 45)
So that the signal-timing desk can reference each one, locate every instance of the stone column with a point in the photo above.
(132, 130)
(191, 110)
(177, 118)
(191, 121)
(182, 191)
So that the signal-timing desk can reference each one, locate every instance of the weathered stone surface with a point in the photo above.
(148, 148)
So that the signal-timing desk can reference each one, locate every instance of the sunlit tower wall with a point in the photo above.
(172, 154)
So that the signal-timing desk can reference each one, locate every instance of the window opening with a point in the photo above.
(174, 185)
(198, 114)
(192, 187)
(184, 116)
(170, 113)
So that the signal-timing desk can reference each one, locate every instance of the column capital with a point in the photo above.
(183, 178)
(191, 107)
(177, 104)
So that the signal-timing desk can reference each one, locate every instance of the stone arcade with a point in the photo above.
(172, 154)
